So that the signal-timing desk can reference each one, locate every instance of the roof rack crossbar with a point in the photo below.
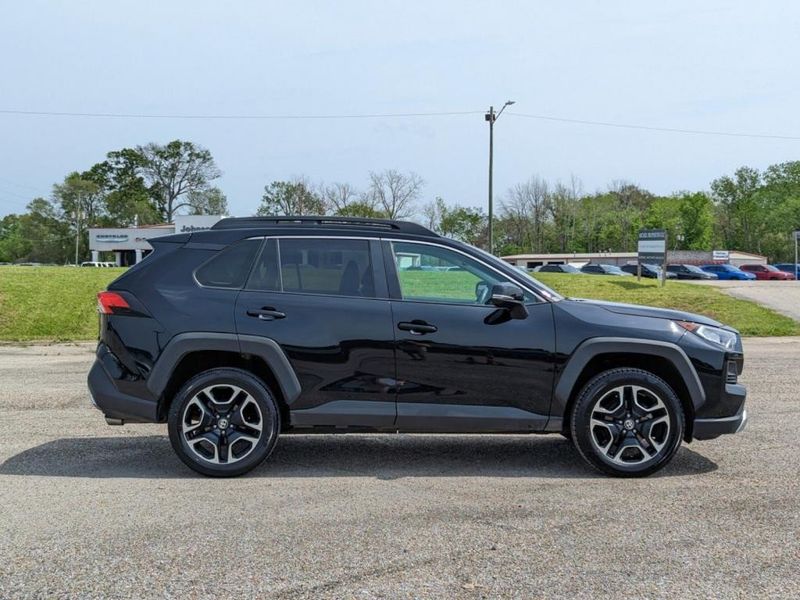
(385, 224)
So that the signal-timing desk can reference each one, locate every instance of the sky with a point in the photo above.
(715, 65)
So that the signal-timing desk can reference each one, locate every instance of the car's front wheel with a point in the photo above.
(627, 422)
(223, 422)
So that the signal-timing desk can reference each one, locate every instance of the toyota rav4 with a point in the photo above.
(260, 327)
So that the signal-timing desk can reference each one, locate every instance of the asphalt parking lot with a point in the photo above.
(93, 511)
(781, 296)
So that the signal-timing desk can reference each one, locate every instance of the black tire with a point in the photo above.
(222, 430)
(637, 438)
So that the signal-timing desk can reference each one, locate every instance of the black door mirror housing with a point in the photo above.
(510, 297)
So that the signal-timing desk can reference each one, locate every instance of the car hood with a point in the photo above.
(638, 310)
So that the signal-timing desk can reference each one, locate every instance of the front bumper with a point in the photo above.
(710, 428)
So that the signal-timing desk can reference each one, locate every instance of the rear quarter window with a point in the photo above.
(229, 267)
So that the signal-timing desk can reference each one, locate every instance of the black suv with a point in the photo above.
(261, 326)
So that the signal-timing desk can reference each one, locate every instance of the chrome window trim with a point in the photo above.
(210, 258)
(278, 238)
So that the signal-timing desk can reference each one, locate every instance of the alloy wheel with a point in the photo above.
(629, 425)
(222, 424)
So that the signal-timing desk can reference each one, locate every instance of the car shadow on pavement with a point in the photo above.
(378, 456)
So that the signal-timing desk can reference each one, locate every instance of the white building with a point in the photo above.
(130, 245)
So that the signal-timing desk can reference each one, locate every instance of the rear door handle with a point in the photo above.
(417, 327)
(266, 314)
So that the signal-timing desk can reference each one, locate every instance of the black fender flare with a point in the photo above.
(185, 343)
(618, 345)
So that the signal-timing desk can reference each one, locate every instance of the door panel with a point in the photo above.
(472, 376)
(462, 364)
(339, 342)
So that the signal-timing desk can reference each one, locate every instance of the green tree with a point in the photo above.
(210, 201)
(458, 222)
(127, 197)
(175, 170)
(740, 208)
(290, 198)
(696, 212)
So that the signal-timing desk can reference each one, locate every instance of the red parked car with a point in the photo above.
(766, 272)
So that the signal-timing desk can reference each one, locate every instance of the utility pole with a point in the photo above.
(77, 233)
(491, 117)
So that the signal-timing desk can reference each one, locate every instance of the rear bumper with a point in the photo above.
(708, 429)
(106, 377)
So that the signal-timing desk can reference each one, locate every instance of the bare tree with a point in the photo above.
(526, 207)
(395, 193)
(338, 196)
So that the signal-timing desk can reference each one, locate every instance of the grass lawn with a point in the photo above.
(58, 303)
(51, 303)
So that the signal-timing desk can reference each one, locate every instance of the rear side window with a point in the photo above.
(265, 275)
(229, 268)
(326, 266)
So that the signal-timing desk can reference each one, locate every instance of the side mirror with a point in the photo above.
(510, 297)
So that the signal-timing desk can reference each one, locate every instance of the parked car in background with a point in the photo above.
(649, 271)
(728, 272)
(592, 269)
(689, 272)
(556, 269)
(789, 268)
(767, 272)
(94, 263)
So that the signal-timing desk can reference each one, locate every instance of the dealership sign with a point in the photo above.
(111, 238)
(192, 223)
(720, 255)
(652, 246)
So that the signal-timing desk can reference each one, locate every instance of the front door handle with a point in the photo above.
(266, 314)
(417, 327)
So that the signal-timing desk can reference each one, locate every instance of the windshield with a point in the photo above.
(542, 289)
(770, 268)
(694, 269)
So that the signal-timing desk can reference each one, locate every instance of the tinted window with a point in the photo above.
(265, 274)
(327, 266)
(437, 274)
(592, 269)
(230, 267)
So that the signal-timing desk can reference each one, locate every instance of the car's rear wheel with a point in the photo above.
(627, 422)
(223, 422)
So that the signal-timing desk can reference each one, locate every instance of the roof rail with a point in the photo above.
(360, 222)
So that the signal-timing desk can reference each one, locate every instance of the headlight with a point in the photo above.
(726, 339)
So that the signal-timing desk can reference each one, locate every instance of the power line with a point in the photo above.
(284, 117)
(234, 117)
(653, 128)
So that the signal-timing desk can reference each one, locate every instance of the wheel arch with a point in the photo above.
(188, 354)
(664, 359)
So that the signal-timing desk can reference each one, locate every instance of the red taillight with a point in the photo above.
(109, 302)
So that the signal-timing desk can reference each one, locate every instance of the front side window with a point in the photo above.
(340, 267)
(229, 268)
(436, 274)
